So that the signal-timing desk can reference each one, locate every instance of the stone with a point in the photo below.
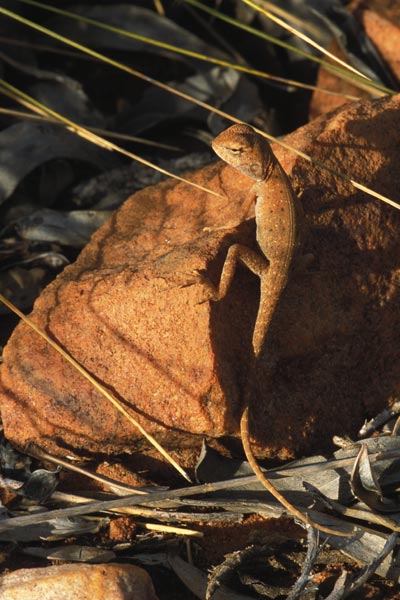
(181, 365)
(380, 19)
(78, 581)
(344, 91)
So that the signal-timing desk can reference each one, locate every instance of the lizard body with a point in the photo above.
(279, 219)
(278, 222)
(278, 216)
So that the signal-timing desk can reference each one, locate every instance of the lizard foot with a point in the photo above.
(199, 279)
(230, 225)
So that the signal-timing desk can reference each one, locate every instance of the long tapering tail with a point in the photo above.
(271, 288)
(245, 435)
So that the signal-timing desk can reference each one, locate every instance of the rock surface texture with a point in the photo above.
(72, 581)
(181, 365)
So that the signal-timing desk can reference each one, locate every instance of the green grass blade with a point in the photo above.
(194, 101)
(356, 80)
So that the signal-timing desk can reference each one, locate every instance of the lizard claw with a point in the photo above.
(199, 279)
(227, 226)
(203, 301)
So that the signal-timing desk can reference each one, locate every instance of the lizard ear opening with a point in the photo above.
(257, 171)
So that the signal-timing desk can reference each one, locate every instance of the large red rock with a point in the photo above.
(180, 365)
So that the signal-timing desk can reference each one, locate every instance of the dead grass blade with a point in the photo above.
(285, 14)
(159, 7)
(358, 80)
(309, 562)
(30, 102)
(118, 488)
(257, 6)
(317, 163)
(165, 46)
(168, 496)
(206, 106)
(96, 384)
(172, 529)
(102, 132)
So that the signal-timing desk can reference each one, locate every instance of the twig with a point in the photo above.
(120, 489)
(305, 576)
(344, 586)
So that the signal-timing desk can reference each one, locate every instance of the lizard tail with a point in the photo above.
(245, 435)
(270, 291)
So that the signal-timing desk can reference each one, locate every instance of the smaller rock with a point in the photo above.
(381, 24)
(78, 582)
(322, 102)
(122, 529)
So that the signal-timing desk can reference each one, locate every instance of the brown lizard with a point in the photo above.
(279, 219)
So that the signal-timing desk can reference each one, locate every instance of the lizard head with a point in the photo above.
(244, 149)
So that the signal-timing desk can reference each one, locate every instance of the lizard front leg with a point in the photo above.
(258, 265)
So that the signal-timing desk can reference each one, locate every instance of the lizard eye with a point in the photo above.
(236, 150)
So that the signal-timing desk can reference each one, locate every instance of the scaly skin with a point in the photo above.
(279, 223)
(278, 220)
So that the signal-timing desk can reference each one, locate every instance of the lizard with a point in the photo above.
(279, 225)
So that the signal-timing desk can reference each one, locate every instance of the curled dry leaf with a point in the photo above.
(56, 529)
(196, 581)
(71, 102)
(25, 146)
(40, 485)
(73, 553)
(59, 92)
(72, 228)
(139, 20)
(365, 485)
(22, 286)
(221, 87)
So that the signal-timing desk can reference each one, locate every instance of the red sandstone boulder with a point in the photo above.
(180, 365)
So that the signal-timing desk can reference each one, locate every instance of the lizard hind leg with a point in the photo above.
(256, 263)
